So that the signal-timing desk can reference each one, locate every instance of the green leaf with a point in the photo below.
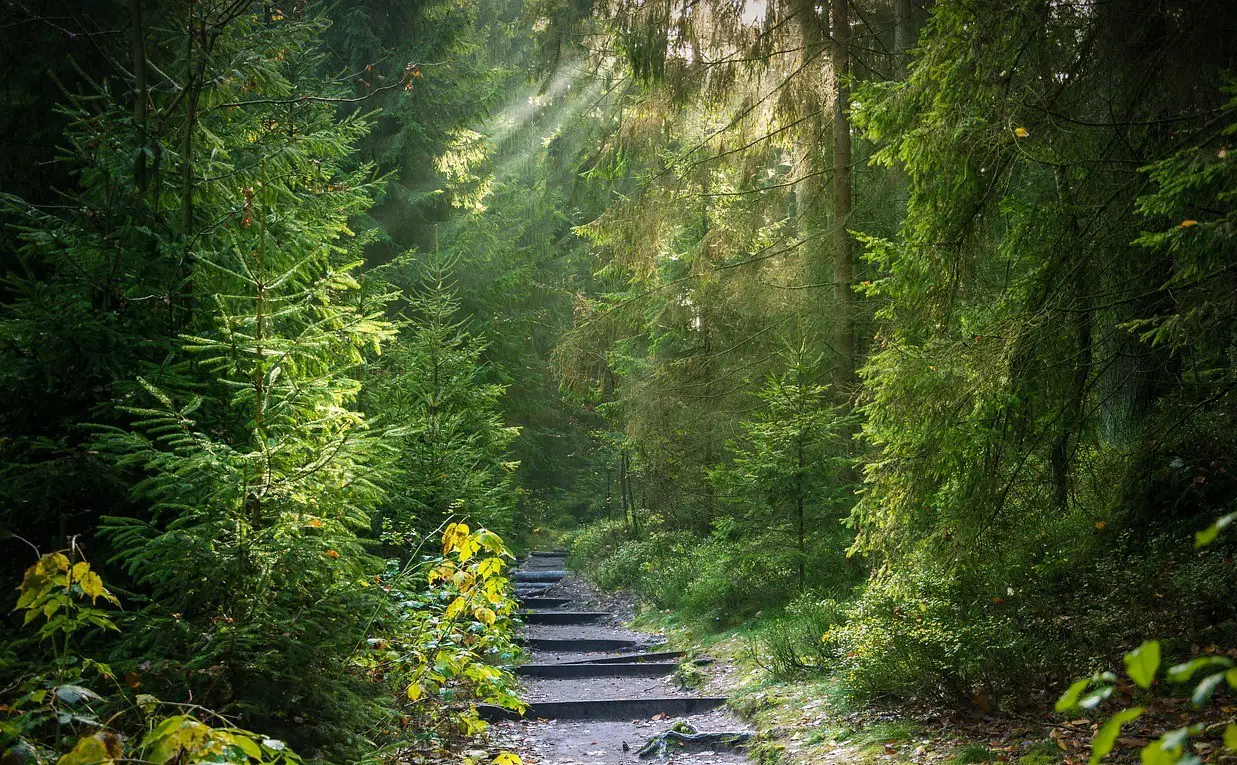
(1106, 736)
(1142, 663)
(247, 745)
(1209, 534)
(1230, 737)
(1181, 673)
(1165, 750)
(1069, 699)
(1095, 697)
(146, 702)
(71, 694)
(1205, 688)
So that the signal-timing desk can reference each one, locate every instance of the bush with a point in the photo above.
(793, 642)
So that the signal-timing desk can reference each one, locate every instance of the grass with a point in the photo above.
(883, 733)
(1041, 753)
(971, 754)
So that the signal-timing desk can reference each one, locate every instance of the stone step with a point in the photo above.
(522, 595)
(607, 709)
(533, 603)
(548, 576)
(644, 669)
(581, 645)
(562, 617)
(633, 658)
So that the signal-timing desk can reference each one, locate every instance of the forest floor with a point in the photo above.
(808, 721)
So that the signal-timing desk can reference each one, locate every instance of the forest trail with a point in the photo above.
(597, 692)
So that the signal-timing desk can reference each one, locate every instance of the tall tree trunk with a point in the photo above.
(811, 197)
(843, 253)
(622, 487)
(903, 32)
(799, 516)
(1072, 419)
(192, 89)
(139, 94)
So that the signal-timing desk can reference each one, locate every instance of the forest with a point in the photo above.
(889, 347)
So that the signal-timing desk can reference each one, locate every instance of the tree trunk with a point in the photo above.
(843, 254)
(139, 94)
(799, 516)
(811, 197)
(622, 487)
(903, 31)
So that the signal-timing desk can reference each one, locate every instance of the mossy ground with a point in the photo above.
(807, 720)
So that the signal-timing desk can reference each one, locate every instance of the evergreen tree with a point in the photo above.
(434, 386)
(786, 481)
(216, 306)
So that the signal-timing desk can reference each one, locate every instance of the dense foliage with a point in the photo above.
(1040, 322)
(187, 338)
(904, 331)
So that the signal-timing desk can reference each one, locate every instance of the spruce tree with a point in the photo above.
(218, 307)
(785, 485)
(435, 386)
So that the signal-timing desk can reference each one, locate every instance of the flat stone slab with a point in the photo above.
(580, 645)
(597, 669)
(605, 709)
(534, 603)
(632, 658)
(563, 617)
(548, 576)
(531, 590)
(604, 687)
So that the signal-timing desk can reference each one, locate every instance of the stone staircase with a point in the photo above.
(587, 669)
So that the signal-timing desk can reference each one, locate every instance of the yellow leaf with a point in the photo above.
(507, 758)
(1188, 222)
(464, 580)
(494, 588)
(1100, 524)
(1021, 132)
(485, 616)
(94, 750)
(448, 538)
(92, 585)
(490, 566)
(415, 691)
(456, 607)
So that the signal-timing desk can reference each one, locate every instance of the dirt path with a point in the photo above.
(607, 704)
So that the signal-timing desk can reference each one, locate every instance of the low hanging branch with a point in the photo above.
(411, 72)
